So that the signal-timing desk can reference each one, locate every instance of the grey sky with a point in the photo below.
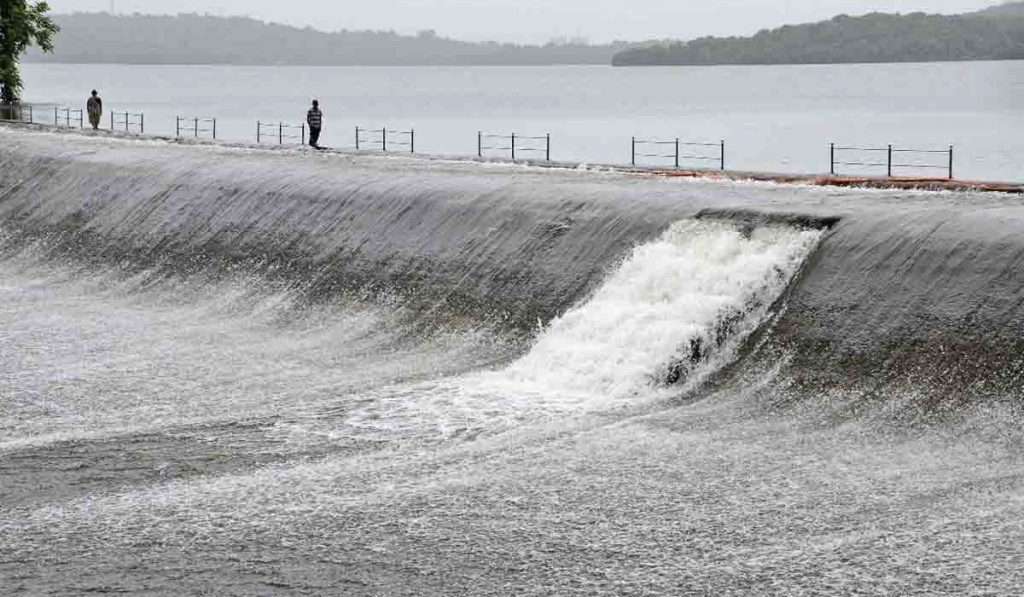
(536, 20)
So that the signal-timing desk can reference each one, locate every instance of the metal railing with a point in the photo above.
(515, 145)
(280, 132)
(373, 139)
(694, 151)
(68, 117)
(128, 122)
(195, 127)
(17, 112)
(894, 160)
(890, 158)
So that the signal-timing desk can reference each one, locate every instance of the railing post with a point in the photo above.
(259, 129)
(56, 116)
(479, 144)
(951, 162)
(111, 120)
(303, 134)
(890, 160)
(31, 116)
(832, 160)
(357, 138)
(177, 127)
(142, 123)
(677, 153)
(547, 153)
(384, 139)
(214, 128)
(513, 147)
(723, 154)
(412, 140)
(197, 127)
(280, 133)
(632, 151)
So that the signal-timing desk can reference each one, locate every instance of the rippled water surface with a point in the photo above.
(772, 118)
(209, 440)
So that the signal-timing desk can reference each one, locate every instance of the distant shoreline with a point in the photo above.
(513, 66)
(102, 38)
(994, 34)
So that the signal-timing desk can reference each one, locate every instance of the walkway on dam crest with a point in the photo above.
(826, 180)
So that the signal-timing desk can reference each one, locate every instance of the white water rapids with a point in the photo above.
(666, 295)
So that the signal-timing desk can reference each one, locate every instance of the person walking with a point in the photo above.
(95, 109)
(315, 120)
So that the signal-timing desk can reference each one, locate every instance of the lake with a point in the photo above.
(772, 118)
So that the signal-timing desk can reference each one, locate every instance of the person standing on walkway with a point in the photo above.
(95, 109)
(315, 120)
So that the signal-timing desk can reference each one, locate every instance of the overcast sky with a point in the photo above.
(535, 20)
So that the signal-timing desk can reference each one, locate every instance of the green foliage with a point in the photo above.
(22, 24)
(877, 37)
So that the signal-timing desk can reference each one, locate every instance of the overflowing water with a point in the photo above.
(232, 372)
(685, 300)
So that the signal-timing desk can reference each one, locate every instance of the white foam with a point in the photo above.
(667, 293)
(616, 348)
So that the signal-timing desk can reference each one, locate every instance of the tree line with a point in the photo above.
(993, 34)
(204, 39)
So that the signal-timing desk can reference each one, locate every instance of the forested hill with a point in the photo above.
(993, 34)
(1010, 9)
(200, 39)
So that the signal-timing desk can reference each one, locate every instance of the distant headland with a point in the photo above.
(102, 38)
(996, 33)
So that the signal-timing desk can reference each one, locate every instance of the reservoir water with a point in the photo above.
(772, 118)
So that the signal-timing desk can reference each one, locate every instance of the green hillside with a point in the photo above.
(993, 34)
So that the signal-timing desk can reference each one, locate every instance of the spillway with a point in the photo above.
(229, 371)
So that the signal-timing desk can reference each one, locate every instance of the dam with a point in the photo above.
(233, 371)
